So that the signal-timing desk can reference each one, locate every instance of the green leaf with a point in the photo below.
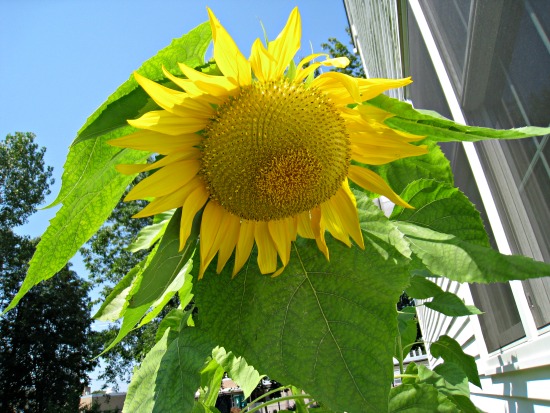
(450, 380)
(169, 376)
(246, 376)
(450, 351)
(446, 233)
(419, 398)
(433, 165)
(449, 304)
(182, 281)
(317, 325)
(91, 187)
(443, 208)
(174, 320)
(95, 189)
(462, 261)
(406, 324)
(422, 288)
(129, 100)
(163, 266)
(150, 234)
(211, 377)
(378, 231)
(114, 305)
(439, 129)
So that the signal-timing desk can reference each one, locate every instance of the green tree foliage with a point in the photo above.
(335, 48)
(44, 356)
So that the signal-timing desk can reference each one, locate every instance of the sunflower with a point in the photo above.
(265, 150)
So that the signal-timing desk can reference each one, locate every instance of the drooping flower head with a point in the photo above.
(265, 149)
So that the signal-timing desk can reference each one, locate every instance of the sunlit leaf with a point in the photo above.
(419, 398)
(439, 129)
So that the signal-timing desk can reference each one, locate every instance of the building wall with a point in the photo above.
(487, 63)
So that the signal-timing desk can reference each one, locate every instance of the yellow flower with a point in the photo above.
(265, 149)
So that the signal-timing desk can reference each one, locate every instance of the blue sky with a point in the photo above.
(60, 59)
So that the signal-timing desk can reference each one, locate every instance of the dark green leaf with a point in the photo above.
(422, 288)
(406, 323)
(317, 325)
(449, 304)
(419, 398)
(450, 351)
(162, 268)
(439, 129)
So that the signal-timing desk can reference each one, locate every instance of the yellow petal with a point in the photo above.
(130, 169)
(304, 225)
(244, 244)
(166, 180)
(212, 85)
(229, 234)
(370, 88)
(281, 234)
(287, 43)
(194, 202)
(374, 183)
(177, 103)
(343, 203)
(210, 228)
(267, 253)
(382, 154)
(156, 142)
(333, 222)
(262, 62)
(168, 123)
(336, 62)
(170, 201)
(319, 231)
(228, 57)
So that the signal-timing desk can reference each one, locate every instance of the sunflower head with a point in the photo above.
(266, 149)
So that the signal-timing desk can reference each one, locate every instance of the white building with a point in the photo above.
(485, 63)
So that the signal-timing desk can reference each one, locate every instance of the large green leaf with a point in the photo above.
(462, 261)
(450, 351)
(96, 189)
(317, 325)
(446, 233)
(443, 208)
(419, 398)
(422, 288)
(163, 275)
(169, 376)
(439, 129)
(433, 165)
(91, 187)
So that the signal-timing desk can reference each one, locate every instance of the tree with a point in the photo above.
(44, 353)
(335, 48)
